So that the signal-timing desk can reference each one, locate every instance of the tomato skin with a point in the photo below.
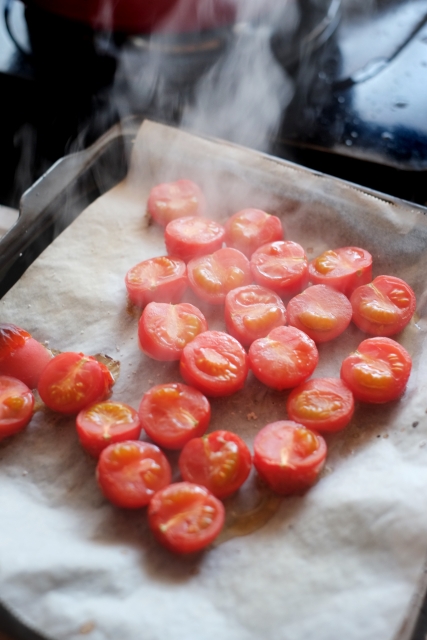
(164, 329)
(284, 358)
(105, 423)
(251, 312)
(384, 306)
(325, 405)
(129, 473)
(289, 457)
(215, 363)
(21, 356)
(281, 266)
(219, 461)
(170, 200)
(190, 237)
(174, 413)
(378, 371)
(160, 279)
(212, 276)
(343, 269)
(16, 406)
(249, 229)
(185, 517)
(321, 312)
(71, 381)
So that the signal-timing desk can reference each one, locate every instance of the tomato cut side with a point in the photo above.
(185, 517)
(170, 200)
(21, 356)
(174, 413)
(378, 371)
(211, 277)
(104, 423)
(249, 229)
(289, 457)
(129, 473)
(343, 269)
(220, 461)
(321, 404)
(16, 406)
(164, 329)
(161, 279)
(190, 237)
(281, 266)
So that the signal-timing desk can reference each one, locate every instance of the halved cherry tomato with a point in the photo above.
(384, 306)
(322, 404)
(173, 413)
(220, 461)
(378, 371)
(72, 381)
(281, 266)
(289, 457)
(104, 423)
(16, 406)
(251, 312)
(211, 277)
(190, 237)
(161, 279)
(215, 363)
(129, 473)
(284, 359)
(185, 517)
(21, 356)
(164, 329)
(343, 269)
(249, 229)
(321, 312)
(171, 200)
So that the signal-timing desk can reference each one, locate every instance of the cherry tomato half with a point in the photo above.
(220, 461)
(249, 229)
(384, 306)
(322, 404)
(21, 356)
(185, 517)
(378, 371)
(281, 266)
(211, 277)
(16, 406)
(129, 473)
(321, 312)
(72, 381)
(215, 363)
(289, 457)
(161, 279)
(171, 200)
(343, 269)
(190, 237)
(104, 423)
(284, 359)
(173, 413)
(164, 329)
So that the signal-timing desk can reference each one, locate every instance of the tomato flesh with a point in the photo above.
(343, 269)
(281, 266)
(211, 277)
(321, 404)
(249, 229)
(21, 356)
(170, 200)
(161, 279)
(104, 423)
(16, 406)
(190, 237)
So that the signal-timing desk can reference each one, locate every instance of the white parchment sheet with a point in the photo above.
(342, 562)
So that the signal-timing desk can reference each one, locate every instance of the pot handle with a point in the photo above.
(7, 12)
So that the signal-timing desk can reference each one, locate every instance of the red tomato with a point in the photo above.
(220, 461)
(129, 473)
(212, 277)
(251, 312)
(289, 457)
(171, 200)
(281, 266)
(378, 371)
(284, 359)
(164, 329)
(104, 423)
(342, 269)
(249, 229)
(185, 517)
(322, 404)
(72, 381)
(321, 312)
(190, 237)
(21, 356)
(384, 306)
(16, 406)
(215, 363)
(161, 279)
(172, 414)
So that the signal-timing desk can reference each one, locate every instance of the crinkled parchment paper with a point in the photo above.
(343, 562)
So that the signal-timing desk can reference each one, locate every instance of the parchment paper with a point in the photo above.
(344, 561)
